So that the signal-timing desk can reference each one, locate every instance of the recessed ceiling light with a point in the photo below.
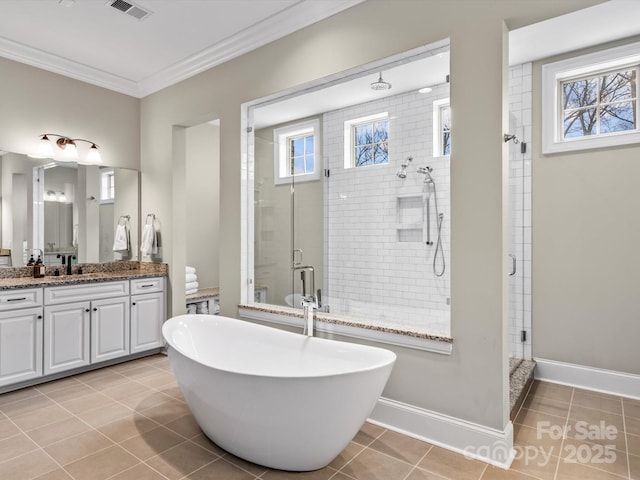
(425, 90)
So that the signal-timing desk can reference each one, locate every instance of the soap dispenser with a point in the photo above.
(37, 272)
(40, 267)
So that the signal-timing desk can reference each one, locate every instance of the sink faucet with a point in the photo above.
(69, 258)
(309, 302)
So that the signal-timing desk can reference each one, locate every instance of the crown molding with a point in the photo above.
(63, 66)
(296, 17)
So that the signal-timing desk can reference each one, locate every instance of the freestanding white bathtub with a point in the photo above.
(275, 398)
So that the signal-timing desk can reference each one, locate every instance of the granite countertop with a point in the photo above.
(204, 293)
(344, 320)
(19, 277)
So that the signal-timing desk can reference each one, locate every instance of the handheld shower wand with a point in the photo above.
(430, 186)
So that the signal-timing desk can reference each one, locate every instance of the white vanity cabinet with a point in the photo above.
(110, 324)
(147, 313)
(85, 324)
(66, 336)
(53, 329)
(20, 335)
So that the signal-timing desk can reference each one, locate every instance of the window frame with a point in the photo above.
(438, 130)
(350, 141)
(585, 66)
(111, 188)
(281, 152)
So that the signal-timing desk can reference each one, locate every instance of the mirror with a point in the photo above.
(62, 208)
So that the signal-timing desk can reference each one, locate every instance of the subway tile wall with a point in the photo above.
(377, 262)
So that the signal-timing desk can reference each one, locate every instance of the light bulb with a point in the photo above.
(94, 154)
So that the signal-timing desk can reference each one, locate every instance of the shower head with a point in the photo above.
(402, 173)
(426, 170)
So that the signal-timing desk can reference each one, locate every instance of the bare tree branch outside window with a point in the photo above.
(600, 104)
(371, 143)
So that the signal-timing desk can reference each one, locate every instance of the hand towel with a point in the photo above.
(149, 244)
(192, 286)
(74, 241)
(189, 292)
(121, 240)
(191, 277)
(190, 269)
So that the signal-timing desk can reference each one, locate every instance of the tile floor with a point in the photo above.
(129, 421)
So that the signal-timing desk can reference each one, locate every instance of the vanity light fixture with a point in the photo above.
(68, 148)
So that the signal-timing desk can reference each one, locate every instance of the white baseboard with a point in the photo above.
(589, 378)
(472, 440)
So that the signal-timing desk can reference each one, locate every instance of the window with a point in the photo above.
(107, 185)
(367, 141)
(296, 152)
(441, 128)
(599, 104)
(591, 101)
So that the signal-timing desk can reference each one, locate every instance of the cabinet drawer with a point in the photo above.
(22, 298)
(147, 285)
(90, 291)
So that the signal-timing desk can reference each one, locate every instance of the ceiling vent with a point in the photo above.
(130, 9)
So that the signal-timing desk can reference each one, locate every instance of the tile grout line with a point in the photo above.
(418, 462)
(626, 439)
(483, 471)
(359, 453)
(564, 433)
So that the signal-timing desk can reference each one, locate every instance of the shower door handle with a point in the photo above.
(513, 264)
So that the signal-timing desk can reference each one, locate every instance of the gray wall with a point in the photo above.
(35, 102)
(471, 383)
(203, 202)
(586, 239)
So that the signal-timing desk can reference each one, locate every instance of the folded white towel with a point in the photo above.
(189, 292)
(121, 239)
(192, 285)
(191, 277)
(149, 243)
(190, 269)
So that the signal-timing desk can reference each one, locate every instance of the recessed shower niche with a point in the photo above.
(410, 214)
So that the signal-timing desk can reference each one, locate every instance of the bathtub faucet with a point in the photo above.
(309, 302)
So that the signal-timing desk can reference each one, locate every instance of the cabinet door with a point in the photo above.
(147, 315)
(66, 336)
(109, 328)
(20, 345)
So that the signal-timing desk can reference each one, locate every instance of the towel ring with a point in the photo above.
(153, 218)
(124, 219)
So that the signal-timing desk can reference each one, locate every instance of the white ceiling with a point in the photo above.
(91, 41)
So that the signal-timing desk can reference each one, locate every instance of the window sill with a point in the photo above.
(348, 327)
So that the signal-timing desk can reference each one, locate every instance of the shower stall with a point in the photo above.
(377, 232)
(375, 228)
